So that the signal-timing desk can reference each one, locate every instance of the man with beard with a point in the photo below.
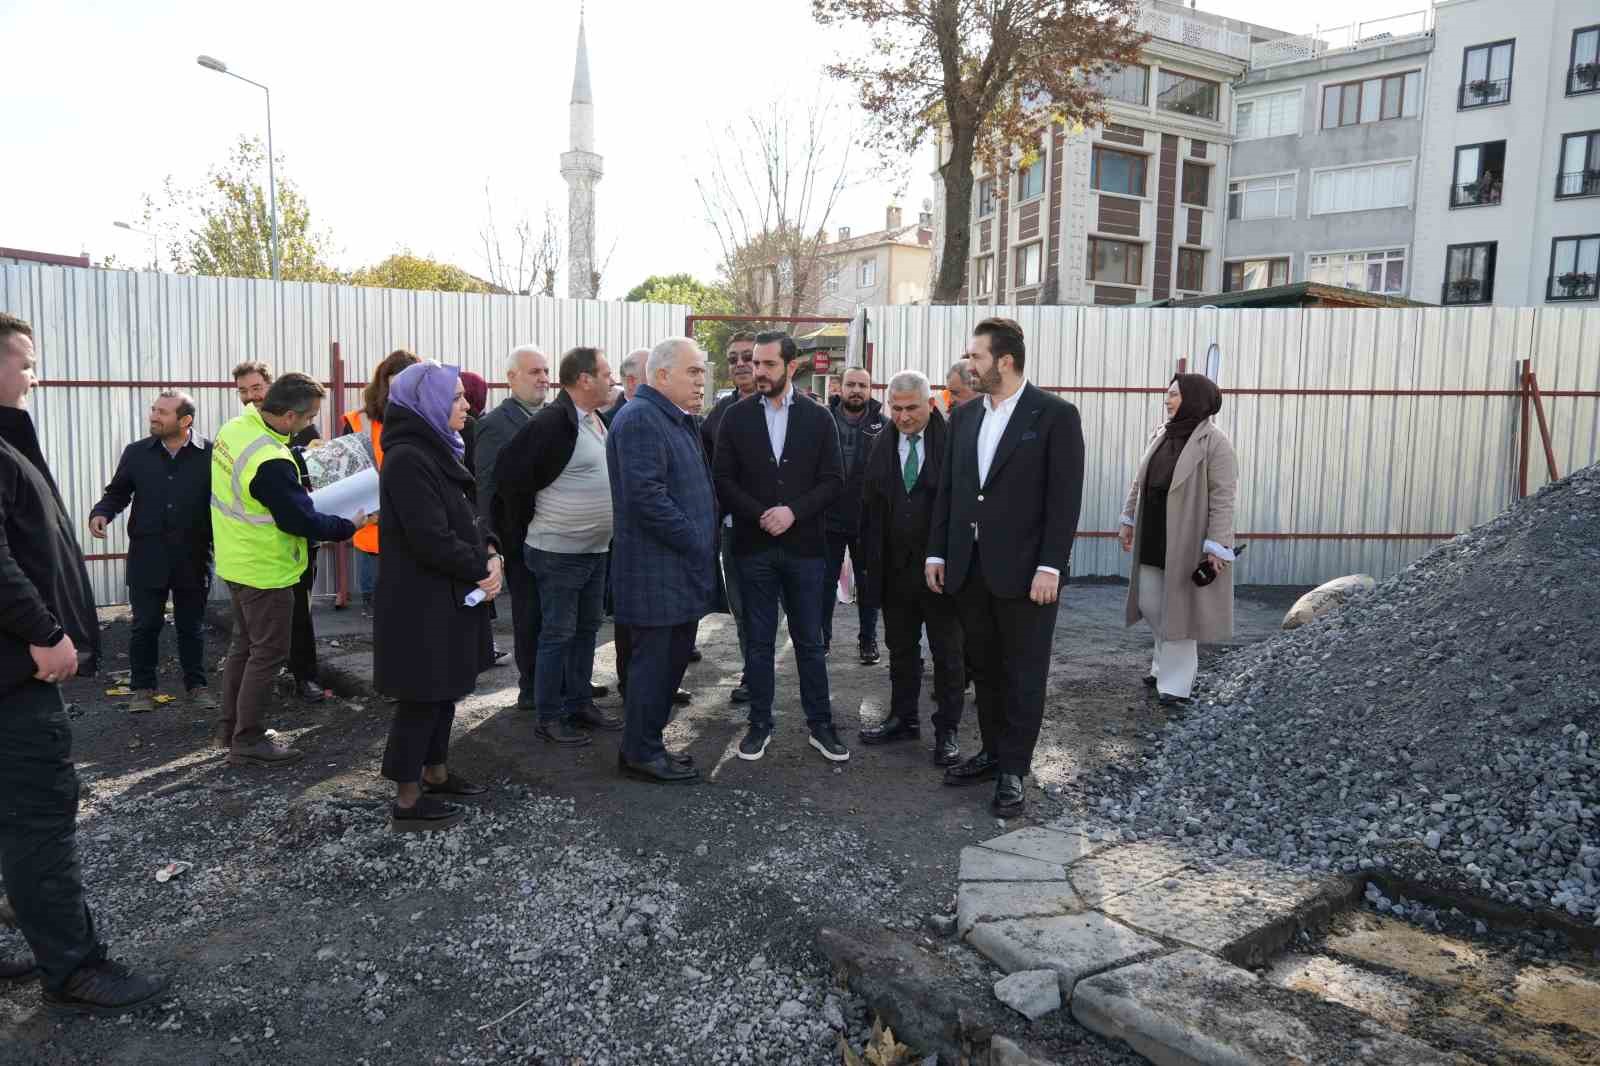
(1001, 543)
(777, 471)
(860, 420)
(741, 368)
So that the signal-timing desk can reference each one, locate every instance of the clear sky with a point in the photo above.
(392, 116)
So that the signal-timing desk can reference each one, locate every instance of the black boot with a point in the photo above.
(869, 652)
(981, 767)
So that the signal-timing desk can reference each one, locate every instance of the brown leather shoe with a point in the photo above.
(591, 717)
(268, 752)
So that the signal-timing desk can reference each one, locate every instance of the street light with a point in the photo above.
(212, 63)
(154, 259)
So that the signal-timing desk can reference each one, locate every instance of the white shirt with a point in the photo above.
(778, 420)
(922, 452)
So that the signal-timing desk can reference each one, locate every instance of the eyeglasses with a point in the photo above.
(735, 357)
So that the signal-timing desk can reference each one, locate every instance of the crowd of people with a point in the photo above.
(959, 524)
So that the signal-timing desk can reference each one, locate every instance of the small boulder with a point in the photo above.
(1325, 597)
(1031, 993)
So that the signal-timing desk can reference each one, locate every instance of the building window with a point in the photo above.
(1030, 180)
(1029, 258)
(1118, 172)
(1191, 270)
(983, 276)
(1269, 197)
(985, 197)
(1363, 188)
(1273, 115)
(1196, 184)
(1187, 95)
(1372, 100)
(866, 273)
(1380, 272)
(1583, 71)
(1574, 268)
(1486, 75)
(830, 279)
(1478, 174)
(1116, 262)
(1255, 274)
(1129, 84)
(1580, 165)
(1468, 273)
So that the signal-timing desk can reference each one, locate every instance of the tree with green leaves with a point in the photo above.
(988, 77)
(702, 299)
(406, 271)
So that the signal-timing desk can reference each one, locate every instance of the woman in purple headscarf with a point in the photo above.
(430, 625)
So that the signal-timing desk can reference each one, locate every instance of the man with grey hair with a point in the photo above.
(961, 382)
(899, 488)
(167, 478)
(633, 371)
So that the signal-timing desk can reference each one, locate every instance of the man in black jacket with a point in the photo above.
(1001, 543)
(777, 470)
(899, 489)
(48, 634)
(167, 478)
(741, 368)
(860, 421)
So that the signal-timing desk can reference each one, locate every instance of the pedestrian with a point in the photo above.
(167, 478)
(261, 518)
(368, 419)
(477, 393)
(899, 490)
(559, 492)
(48, 634)
(777, 470)
(665, 553)
(741, 368)
(632, 371)
(960, 384)
(1179, 514)
(860, 421)
(429, 643)
(1001, 544)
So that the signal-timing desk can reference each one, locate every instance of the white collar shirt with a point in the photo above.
(778, 420)
(993, 427)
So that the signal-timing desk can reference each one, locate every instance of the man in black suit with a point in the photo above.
(777, 469)
(1001, 544)
(900, 485)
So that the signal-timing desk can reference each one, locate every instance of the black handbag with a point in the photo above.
(1205, 573)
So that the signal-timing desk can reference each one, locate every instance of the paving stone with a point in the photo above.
(1031, 993)
(1074, 946)
(981, 864)
(988, 901)
(1046, 845)
(1125, 868)
(1190, 1009)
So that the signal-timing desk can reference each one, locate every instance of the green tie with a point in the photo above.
(911, 462)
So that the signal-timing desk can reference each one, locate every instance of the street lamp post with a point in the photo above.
(211, 63)
(155, 260)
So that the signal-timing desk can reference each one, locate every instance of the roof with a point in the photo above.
(1299, 294)
(833, 335)
(873, 240)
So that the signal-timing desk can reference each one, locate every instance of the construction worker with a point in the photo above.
(368, 419)
(261, 519)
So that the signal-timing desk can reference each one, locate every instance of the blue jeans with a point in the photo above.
(571, 595)
(366, 574)
(144, 644)
(868, 616)
(765, 576)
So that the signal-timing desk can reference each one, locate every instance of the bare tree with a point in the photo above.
(774, 180)
(527, 263)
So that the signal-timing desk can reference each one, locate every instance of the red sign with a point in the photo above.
(819, 362)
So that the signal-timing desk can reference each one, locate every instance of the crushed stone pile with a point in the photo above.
(1442, 726)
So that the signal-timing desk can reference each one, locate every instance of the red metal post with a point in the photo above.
(1544, 426)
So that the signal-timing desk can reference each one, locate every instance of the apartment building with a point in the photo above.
(887, 266)
(1508, 208)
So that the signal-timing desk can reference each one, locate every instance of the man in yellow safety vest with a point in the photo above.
(261, 519)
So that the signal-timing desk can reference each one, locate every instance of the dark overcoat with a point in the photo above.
(894, 522)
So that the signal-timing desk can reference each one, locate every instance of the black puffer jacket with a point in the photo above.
(855, 443)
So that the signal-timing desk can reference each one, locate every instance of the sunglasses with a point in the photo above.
(748, 357)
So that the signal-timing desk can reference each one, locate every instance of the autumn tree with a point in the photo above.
(988, 76)
(406, 271)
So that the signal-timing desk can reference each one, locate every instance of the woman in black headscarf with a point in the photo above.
(1179, 514)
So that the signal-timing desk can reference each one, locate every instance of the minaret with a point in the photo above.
(581, 168)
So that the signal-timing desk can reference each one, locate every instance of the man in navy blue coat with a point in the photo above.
(664, 550)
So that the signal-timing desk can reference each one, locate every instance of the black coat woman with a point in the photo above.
(429, 643)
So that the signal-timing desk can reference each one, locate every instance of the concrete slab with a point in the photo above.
(990, 901)
(1046, 845)
(981, 864)
(1074, 946)
(1126, 867)
(1031, 993)
(1190, 1009)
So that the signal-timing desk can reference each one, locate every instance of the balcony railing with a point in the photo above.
(1348, 38)
(1464, 291)
(1578, 183)
(1583, 78)
(1478, 193)
(1573, 285)
(1483, 92)
(1174, 22)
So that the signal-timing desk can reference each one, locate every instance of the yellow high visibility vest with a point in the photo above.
(251, 549)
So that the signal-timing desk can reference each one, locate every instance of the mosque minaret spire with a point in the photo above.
(582, 169)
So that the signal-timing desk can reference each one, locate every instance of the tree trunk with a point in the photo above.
(957, 175)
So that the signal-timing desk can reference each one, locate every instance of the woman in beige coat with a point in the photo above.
(1179, 513)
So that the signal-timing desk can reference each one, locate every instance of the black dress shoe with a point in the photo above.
(981, 767)
(683, 697)
(740, 694)
(946, 752)
(453, 785)
(661, 771)
(598, 691)
(1008, 797)
(891, 729)
(675, 758)
(562, 732)
(15, 969)
(869, 653)
(591, 717)
(694, 655)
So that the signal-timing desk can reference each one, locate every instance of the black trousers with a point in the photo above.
(188, 621)
(302, 638)
(623, 641)
(909, 607)
(526, 621)
(836, 543)
(38, 832)
(419, 736)
(1009, 641)
(657, 658)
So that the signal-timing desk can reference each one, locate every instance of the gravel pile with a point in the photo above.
(1445, 726)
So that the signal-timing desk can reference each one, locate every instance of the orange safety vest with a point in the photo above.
(366, 538)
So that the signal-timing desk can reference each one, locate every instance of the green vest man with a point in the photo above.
(261, 519)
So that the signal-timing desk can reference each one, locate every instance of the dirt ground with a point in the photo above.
(639, 923)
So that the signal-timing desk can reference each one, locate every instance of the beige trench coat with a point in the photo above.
(1199, 508)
